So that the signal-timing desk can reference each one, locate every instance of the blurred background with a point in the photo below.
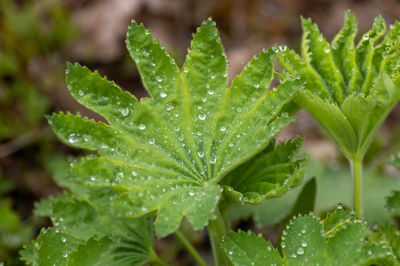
(38, 37)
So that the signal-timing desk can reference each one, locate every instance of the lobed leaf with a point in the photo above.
(83, 235)
(170, 154)
(339, 240)
(363, 84)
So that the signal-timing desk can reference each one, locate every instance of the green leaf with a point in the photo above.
(393, 203)
(269, 174)
(343, 47)
(317, 53)
(396, 161)
(168, 154)
(97, 237)
(308, 241)
(377, 187)
(363, 84)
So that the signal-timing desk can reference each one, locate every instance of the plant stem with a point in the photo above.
(158, 261)
(217, 230)
(356, 170)
(190, 248)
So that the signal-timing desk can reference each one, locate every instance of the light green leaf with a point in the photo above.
(364, 85)
(90, 236)
(169, 154)
(269, 174)
(343, 52)
(308, 241)
(377, 187)
(317, 53)
(332, 119)
(393, 203)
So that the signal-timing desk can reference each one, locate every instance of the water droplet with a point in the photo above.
(223, 129)
(87, 137)
(304, 244)
(163, 95)
(213, 159)
(202, 116)
(73, 138)
(200, 154)
(203, 100)
(81, 93)
(134, 173)
(65, 254)
(230, 252)
(365, 37)
(282, 48)
(152, 141)
(93, 178)
(210, 92)
(300, 251)
(142, 126)
(170, 106)
(191, 193)
(159, 79)
(303, 231)
(326, 49)
(239, 109)
(124, 111)
(176, 129)
(63, 239)
(212, 76)
(144, 208)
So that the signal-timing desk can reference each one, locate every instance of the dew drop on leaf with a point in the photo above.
(73, 138)
(300, 251)
(202, 116)
(142, 126)
(191, 193)
(213, 159)
(152, 141)
(200, 154)
(163, 95)
(223, 129)
(124, 111)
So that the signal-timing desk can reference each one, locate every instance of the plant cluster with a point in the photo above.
(196, 147)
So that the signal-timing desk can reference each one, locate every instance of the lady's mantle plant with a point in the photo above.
(190, 150)
(349, 89)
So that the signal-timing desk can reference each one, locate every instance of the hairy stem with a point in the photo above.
(356, 170)
(217, 230)
(190, 248)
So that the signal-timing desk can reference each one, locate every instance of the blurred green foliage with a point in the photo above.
(32, 33)
(28, 31)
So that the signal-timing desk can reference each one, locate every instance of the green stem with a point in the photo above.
(190, 248)
(356, 170)
(217, 230)
(158, 261)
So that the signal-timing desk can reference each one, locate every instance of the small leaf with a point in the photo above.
(269, 174)
(305, 241)
(393, 203)
(88, 236)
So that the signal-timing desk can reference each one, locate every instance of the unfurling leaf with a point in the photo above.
(349, 89)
